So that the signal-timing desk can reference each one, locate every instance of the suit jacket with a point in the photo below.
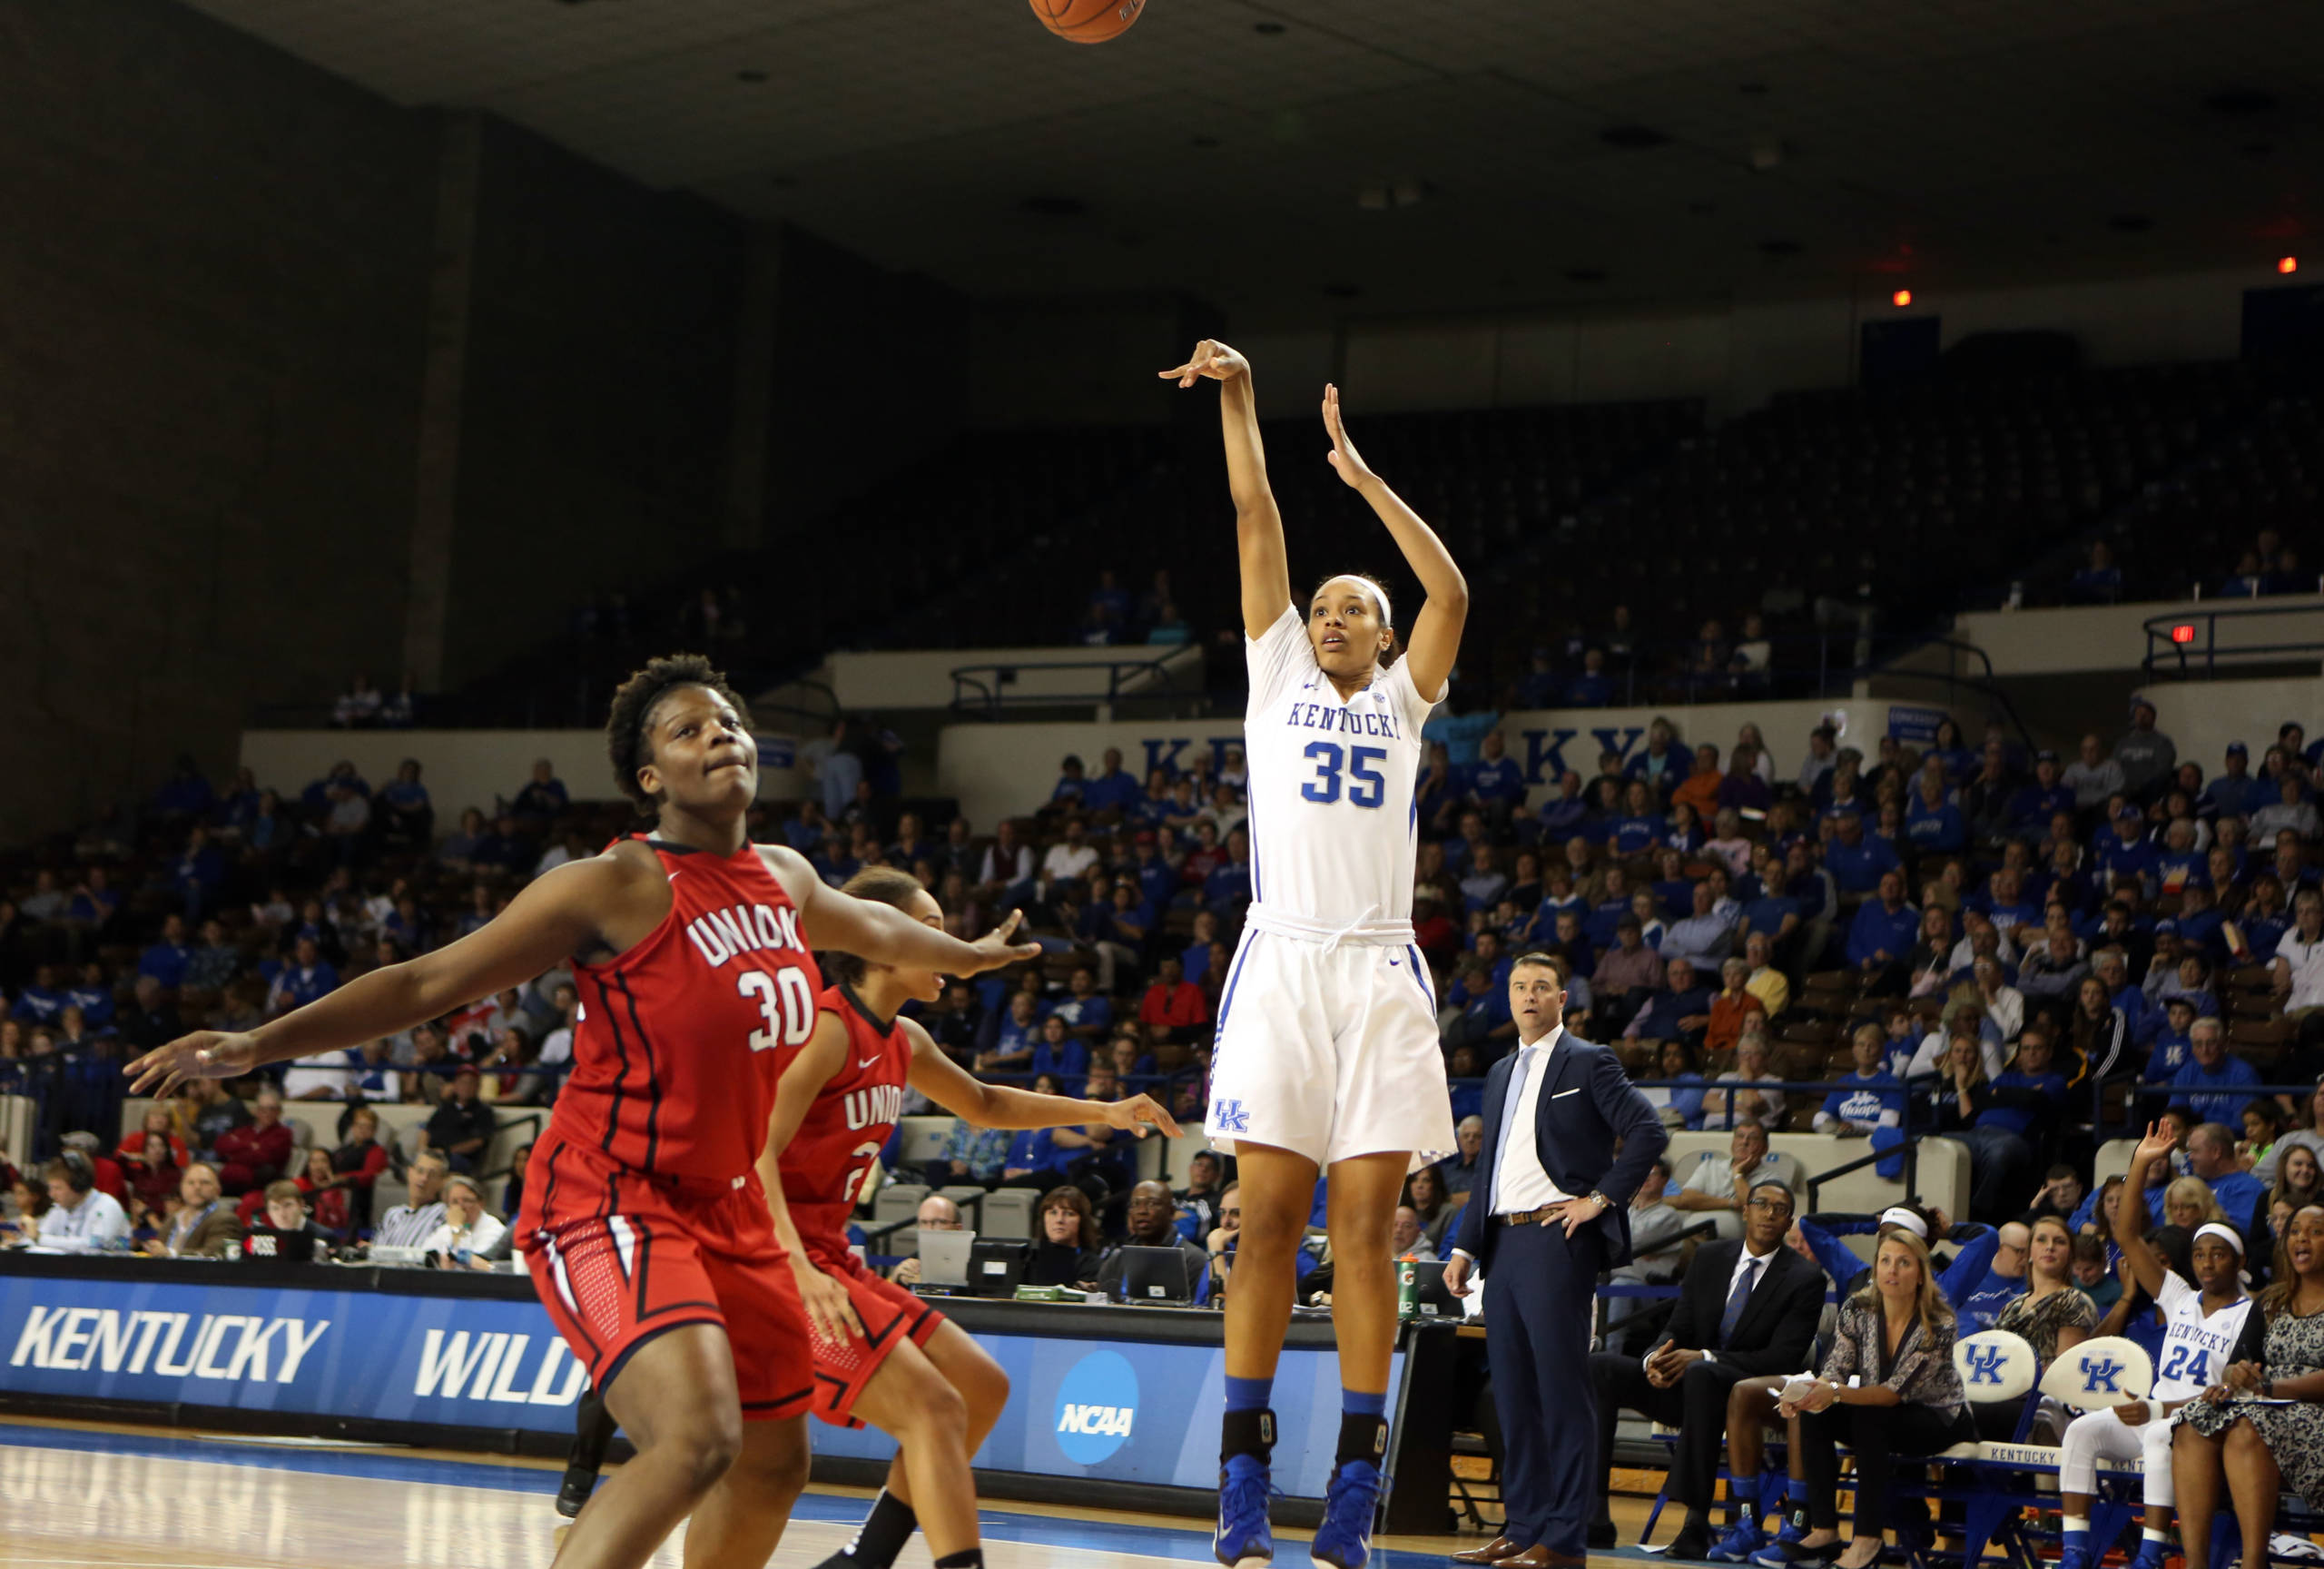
(1586, 1104)
(1776, 1331)
(219, 1233)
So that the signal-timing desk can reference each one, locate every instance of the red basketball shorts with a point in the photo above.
(892, 1315)
(619, 1257)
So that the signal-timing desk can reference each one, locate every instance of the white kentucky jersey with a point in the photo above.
(1333, 816)
(2196, 1349)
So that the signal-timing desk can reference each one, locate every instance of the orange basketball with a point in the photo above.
(1088, 21)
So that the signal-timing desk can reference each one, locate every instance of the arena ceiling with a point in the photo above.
(1304, 158)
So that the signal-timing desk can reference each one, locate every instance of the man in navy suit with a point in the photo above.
(1549, 1210)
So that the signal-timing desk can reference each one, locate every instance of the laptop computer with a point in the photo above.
(1155, 1275)
(944, 1258)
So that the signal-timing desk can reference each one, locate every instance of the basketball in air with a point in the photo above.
(1088, 21)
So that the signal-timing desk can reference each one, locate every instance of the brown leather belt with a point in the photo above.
(1542, 1217)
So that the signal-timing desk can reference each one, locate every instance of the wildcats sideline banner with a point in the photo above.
(1122, 1410)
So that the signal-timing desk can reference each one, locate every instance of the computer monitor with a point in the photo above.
(944, 1258)
(996, 1266)
(1157, 1274)
(1429, 1298)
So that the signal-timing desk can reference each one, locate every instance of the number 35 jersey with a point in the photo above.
(1333, 819)
(681, 1040)
(846, 1127)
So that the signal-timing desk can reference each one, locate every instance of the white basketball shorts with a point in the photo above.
(1329, 1050)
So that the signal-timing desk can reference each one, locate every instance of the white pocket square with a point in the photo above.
(1561, 1094)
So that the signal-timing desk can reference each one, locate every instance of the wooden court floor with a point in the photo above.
(76, 1496)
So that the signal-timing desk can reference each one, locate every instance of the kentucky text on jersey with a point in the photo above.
(1330, 717)
(226, 1345)
(721, 934)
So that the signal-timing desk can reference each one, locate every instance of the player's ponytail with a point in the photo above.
(881, 885)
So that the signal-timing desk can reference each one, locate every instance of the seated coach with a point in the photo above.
(1747, 1309)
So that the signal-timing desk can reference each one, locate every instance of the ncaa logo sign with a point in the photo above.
(1097, 1405)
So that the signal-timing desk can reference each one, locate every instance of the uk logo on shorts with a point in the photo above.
(1228, 1117)
(1097, 1406)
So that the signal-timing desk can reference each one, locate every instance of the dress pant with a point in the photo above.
(1696, 1406)
(1877, 1433)
(1538, 1295)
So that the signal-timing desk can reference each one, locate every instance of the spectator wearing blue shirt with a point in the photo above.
(1483, 1019)
(1613, 904)
(1114, 788)
(406, 813)
(1679, 1013)
(2214, 1086)
(1467, 1077)
(1561, 815)
(1059, 1054)
(1007, 1042)
(1932, 824)
(1873, 1097)
(43, 1001)
(2126, 860)
(1639, 825)
(1070, 783)
(2032, 805)
(166, 959)
(1681, 1102)
(1495, 780)
(2201, 924)
(1661, 763)
(1884, 931)
(2211, 1160)
(308, 975)
(1154, 806)
(2235, 794)
(93, 997)
(185, 793)
(1591, 689)
(2264, 921)
(1226, 891)
(1989, 1119)
(2027, 1085)
(1856, 863)
(544, 797)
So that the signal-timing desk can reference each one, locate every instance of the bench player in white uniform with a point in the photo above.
(2203, 1323)
(1326, 1058)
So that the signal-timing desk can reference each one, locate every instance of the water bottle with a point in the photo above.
(1407, 1289)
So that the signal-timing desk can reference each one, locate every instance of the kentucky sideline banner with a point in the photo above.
(1120, 1410)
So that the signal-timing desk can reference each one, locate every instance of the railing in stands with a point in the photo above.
(2186, 643)
(977, 689)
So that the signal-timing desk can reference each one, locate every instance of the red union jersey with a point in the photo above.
(675, 1051)
(847, 1126)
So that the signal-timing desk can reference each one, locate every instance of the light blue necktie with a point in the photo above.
(1509, 1106)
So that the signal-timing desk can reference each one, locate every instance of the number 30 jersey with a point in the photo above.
(846, 1127)
(681, 1040)
(1333, 815)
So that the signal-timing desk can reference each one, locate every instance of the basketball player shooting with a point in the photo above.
(1326, 1057)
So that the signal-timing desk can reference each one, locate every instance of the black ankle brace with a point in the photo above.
(1246, 1432)
(1362, 1437)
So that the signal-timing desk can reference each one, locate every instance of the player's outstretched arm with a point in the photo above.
(560, 915)
(829, 1307)
(984, 1105)
(2140, 1260)
(883, 934)
(1434, 640)
(1258, 525)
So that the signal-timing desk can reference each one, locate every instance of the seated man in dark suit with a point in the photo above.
(1746, 1309)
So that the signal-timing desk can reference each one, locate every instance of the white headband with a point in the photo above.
(1908, 1220)
(2227, 1234)
(1387, 616)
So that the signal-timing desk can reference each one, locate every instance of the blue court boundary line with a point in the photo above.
(1144, 1540)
